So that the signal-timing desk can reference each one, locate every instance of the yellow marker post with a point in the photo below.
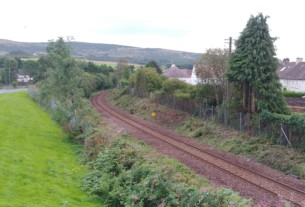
(153, 114)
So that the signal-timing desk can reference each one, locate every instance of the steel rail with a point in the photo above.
(271, 185)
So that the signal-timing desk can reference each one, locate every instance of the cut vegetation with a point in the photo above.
(39, 166)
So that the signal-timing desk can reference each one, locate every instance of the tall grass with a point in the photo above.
(38, 166)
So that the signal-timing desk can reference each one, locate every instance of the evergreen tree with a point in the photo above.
(253, 69)
(154, 64)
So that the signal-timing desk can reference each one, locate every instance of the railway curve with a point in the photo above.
(286, 188)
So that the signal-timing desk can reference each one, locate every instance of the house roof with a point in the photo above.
(175, 72)
(22, 72)
(292, 71)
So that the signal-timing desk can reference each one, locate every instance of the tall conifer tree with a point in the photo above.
(253, 69)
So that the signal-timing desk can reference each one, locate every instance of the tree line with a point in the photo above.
(248, 76)
(64, 84)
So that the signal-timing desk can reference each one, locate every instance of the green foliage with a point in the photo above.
(253, 68)
(146, 79)
(293, 94)
(32, 69)
(122, 69)
(19, 62)
(154, 64)
(104, 81)
(285, 159)
(211, 70)
(294, 120)
(10, 66)
(122, 176)
(88, 83)
(182, 95)
(15, 84)
(64, 90)
(293, 125)
(123, 82)
(2, 61)
(45, 63)
(171, 85)
(204, 92)
(57, 50)
(92, 82)
(91, 67)
(2, 75)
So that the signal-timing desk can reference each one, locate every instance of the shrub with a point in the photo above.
(146, 79)
(294, 126)
(182, 95)
(171, 85)
(15, 84)
(121, 176)
(293, 94)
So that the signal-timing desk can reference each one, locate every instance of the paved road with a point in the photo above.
(12, 90)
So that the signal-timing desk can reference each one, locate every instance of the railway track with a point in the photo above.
(252, 177)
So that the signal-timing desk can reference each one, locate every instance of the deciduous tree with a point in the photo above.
(146, 79)
(62, 88)
(211, 69)
(10, 70)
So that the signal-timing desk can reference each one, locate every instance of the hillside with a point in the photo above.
(104, 52)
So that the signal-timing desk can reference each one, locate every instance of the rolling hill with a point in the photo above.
(104, 52)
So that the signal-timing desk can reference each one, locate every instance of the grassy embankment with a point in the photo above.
(38, 165)
(262, 150)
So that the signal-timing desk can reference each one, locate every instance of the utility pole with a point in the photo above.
(230, 46)
(228, 95)
(227, 91)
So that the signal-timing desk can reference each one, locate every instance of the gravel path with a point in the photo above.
(261, 197)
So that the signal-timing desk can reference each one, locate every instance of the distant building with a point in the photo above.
(23, 78)
(292, 75)
(186, 75)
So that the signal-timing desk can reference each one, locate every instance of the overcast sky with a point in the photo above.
(187, 25)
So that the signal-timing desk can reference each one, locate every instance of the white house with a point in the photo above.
(23, 78)
(186, 75)
(292, 75)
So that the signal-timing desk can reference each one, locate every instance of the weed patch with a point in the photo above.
(128, 173)
(263, 150)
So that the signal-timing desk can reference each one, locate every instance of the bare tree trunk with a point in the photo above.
(249, 98)
(253, 108)
(247, 103)
(216, 96)
(246, 89)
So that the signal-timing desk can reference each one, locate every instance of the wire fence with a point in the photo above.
(289, 135)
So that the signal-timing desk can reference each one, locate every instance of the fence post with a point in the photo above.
(225, 120)
(240, 121)
(212, 112)
(259, 128)
(283, 132)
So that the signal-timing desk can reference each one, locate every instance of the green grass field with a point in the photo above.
(112, 64)
(38, 165)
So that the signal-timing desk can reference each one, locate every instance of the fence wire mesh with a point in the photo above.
(279, 133)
